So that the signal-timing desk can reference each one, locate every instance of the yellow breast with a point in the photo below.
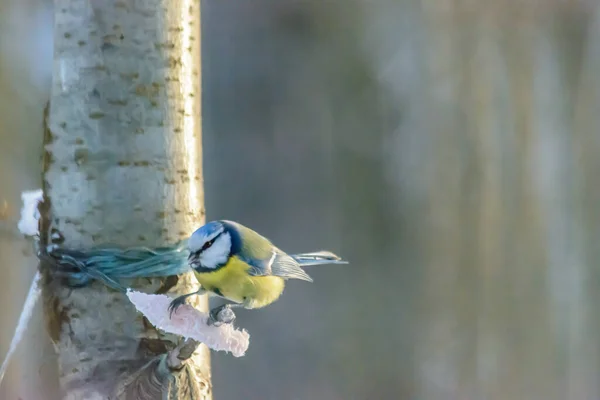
(233, 283)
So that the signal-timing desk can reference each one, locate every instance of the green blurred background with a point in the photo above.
(448, 149)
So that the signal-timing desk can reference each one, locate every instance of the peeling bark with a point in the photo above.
(123, 166)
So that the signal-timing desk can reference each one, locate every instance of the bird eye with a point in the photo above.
(208, 244)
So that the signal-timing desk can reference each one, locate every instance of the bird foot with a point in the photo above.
(175, 304)
(221, 315)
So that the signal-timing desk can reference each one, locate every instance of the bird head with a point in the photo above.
(209, 246)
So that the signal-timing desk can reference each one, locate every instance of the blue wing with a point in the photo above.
(285, 266)
(279, 264)
(264, 258)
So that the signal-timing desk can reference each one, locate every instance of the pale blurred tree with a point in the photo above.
(25, 70)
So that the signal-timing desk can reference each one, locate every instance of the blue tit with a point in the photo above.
(238, 264)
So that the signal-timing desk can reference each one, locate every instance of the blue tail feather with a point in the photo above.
(317, 258)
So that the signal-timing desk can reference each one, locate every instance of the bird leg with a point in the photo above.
(179, 301)
(222, 314)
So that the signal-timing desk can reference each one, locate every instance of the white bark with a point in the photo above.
(123, 166)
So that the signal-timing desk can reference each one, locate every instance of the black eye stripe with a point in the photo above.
(210, 242)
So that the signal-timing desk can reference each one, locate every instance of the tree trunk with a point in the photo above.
(122, 166)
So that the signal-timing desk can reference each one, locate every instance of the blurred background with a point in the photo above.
(448, 149)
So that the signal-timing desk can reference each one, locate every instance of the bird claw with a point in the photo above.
(175, 304)
(221, 315)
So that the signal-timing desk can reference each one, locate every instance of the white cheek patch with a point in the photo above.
(218, 253)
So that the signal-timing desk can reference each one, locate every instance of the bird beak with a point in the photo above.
(193, 260)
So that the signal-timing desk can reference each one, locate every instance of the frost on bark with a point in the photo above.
(122, 166)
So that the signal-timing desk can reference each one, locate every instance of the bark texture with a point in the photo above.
(123, 166)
